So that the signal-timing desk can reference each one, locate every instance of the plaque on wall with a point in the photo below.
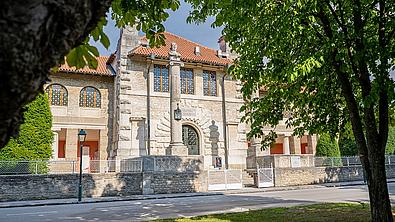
(295, 161)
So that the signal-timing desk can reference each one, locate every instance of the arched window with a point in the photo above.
(90, 97)
(57, 95)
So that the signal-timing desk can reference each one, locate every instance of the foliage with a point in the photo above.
(35, 137)
(390, 148)
(348, 146)
(317, 212)
(325, 62)
(147, 16)
(327, 146)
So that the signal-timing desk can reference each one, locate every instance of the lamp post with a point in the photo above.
(81, 139)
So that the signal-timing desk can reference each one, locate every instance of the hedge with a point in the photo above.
(35, 136)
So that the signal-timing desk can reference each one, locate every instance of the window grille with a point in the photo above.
(187, 81)
(57, 95)
(209, 83)
(161, 78)
(90, 97)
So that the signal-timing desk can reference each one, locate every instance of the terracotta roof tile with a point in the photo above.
(186, 48)
(100, 70)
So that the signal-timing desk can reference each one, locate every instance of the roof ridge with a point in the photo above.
(185, 39)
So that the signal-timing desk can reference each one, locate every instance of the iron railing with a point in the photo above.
(13, 167)
(346, 161)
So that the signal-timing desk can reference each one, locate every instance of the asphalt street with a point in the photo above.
(143, 210)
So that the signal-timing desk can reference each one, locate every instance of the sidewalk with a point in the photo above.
(30, 203)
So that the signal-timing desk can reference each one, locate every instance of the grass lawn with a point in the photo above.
(344, 212)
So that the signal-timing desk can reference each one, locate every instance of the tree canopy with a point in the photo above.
(326, 62)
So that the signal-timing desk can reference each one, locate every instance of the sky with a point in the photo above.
(176, 24)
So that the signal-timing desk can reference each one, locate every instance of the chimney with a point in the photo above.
(197, 50)
(144, 43)
(225, 49)
(221, 54)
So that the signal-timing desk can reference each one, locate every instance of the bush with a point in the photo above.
(390, 148)
(35, 136)
(348, 146)
(327, 146)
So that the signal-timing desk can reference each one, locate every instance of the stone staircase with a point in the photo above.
(248, 178)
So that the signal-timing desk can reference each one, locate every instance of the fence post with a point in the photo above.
(348, 161)
(73, 163)
(332, 161)
(389, 160)
(36, 168)
(226, 179)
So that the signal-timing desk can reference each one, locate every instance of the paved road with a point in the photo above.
(186, 206)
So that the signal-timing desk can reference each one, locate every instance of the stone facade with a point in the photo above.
(135, 80)
(135, 120)
(69, 119)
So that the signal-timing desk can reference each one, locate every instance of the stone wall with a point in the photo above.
(315, 175)
(31, 187)
(172, 182)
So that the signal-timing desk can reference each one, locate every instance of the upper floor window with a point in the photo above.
(209, 83)
(90, 97)
(187, 81)
(57, 95)
(161, 78)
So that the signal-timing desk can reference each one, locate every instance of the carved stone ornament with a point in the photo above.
(173, 54)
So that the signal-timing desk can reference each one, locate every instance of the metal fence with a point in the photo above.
(346, 161)
(72, 166)
(224, 179)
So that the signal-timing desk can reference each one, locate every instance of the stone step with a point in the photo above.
(248, 179)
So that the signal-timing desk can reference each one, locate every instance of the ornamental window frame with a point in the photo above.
(161, 78)
(86, 102)
(208, 83)
(187, 78)
(57, 97)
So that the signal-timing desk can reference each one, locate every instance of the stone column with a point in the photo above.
(177, 148)
(286, 145)
(294, 144)
(311, 144)
(55, 145)
(71, 144)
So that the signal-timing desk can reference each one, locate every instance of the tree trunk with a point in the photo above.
(380, 205)
(35, 36)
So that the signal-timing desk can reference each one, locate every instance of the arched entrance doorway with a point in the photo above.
(190, 138)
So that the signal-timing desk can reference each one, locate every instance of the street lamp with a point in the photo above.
(177, 113)
(81, 139)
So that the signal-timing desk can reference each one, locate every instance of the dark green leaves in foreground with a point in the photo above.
(147, 15)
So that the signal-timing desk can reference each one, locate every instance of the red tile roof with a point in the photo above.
(100, 70)
(186, 48)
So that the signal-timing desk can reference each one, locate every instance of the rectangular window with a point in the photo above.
(209, 83)
(187, 81)
(161, 78)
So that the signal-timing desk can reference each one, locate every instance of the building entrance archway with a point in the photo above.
(190, 138)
